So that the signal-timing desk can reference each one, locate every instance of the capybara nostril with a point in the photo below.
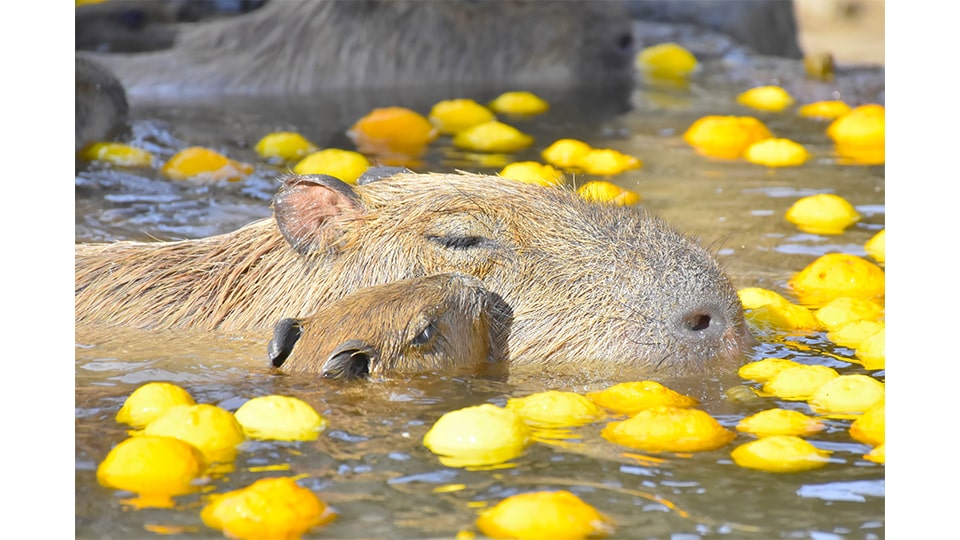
(698, 321)
(702, 322)
(285, 336)
(351, 360)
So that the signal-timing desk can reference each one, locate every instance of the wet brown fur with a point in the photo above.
(387, 323)
(586, 282)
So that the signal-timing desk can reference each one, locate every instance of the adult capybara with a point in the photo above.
(586, 282)
(440, 323)
(144, 25)
(128, 25)
(769, 28)
(301, 46)
(101, 104)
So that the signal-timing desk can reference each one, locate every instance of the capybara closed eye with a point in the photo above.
(588, 284)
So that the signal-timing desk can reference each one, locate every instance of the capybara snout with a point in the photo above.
(444, 322)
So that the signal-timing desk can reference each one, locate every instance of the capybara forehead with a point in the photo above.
(461, 189)
(413, 198)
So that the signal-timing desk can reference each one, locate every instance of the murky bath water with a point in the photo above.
(370, 464)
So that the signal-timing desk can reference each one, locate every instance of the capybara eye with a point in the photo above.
(426, 334)
(460, 242)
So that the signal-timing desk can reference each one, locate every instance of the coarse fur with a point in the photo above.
(586, 282)
(301, 46)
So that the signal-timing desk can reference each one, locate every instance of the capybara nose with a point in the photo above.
(706, 321)
(285, 336)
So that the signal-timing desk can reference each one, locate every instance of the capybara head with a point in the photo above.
(440, 323)
(587, 283)
(298, 47)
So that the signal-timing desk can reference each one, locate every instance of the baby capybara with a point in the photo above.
(440, 323)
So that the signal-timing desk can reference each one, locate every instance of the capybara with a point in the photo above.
(101, 104)
(444, 323)
(301, 46)
(144, 25)
(126, 25)
(767, 27)
(586, 282)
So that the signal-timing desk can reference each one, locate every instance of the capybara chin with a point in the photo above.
(588, 284)
(302, 46)
(446, 323)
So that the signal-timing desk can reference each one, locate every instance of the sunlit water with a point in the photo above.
(370, 464)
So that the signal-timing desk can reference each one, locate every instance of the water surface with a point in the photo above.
(370, 464)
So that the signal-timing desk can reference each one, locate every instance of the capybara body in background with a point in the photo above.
(769, 28)
(301, 46)
(144, 25)
(445, 323)
(101, 104)
(586, 282)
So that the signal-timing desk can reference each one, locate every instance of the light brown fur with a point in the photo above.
(440, 323)
(586, 282)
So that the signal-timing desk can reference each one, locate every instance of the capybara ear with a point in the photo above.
(373, 174)
(311, 208)
(285, 335)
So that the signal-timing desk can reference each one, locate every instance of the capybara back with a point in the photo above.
(301, 46)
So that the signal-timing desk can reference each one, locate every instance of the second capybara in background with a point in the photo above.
(446, 323)
(769, 27)
(587, 282)
(101, 104)
(144, 25)
(302, 46)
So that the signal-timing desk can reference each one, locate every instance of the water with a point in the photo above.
(370, 464)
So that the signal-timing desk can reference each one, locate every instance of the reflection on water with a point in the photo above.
(370, 464)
